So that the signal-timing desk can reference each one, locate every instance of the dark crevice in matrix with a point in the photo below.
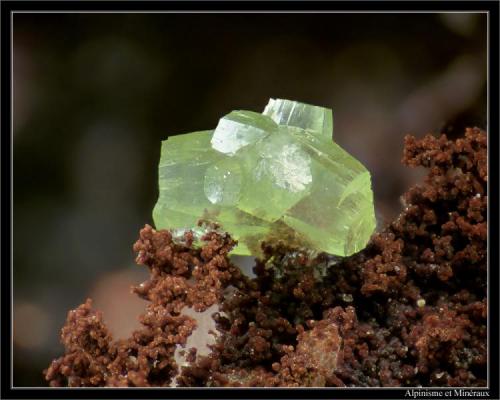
(408, 310)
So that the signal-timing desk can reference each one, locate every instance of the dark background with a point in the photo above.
(94, 94)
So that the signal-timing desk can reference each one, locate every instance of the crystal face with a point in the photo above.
(301, 115)
(271, 176)
(240, 128)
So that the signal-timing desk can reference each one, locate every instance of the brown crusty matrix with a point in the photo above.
(408, 310)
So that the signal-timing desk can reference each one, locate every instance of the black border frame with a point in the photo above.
(7, 7)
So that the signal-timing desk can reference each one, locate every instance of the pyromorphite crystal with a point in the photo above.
(271, 176)
(305, 116)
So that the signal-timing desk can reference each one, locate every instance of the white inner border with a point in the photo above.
(423, 389)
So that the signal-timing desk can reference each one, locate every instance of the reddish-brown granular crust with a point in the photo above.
(87, 344)
(408, 310)
(180, 277)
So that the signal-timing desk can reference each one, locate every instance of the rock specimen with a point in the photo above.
(271, 176)
(409, 310)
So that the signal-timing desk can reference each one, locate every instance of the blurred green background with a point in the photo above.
(94, 94)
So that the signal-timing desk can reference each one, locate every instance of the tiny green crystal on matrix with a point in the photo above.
(271, 176)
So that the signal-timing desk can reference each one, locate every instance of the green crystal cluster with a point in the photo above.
(271, 176)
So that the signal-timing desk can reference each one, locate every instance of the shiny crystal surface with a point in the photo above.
(239, 129)
(271, 176)
(292, 113)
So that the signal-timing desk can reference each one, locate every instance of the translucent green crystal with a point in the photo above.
(277, 175)
(292, 113)
(223, 182)
(239, 129)
(271, 176)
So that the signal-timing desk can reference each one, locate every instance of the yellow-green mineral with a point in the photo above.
(275, 176)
